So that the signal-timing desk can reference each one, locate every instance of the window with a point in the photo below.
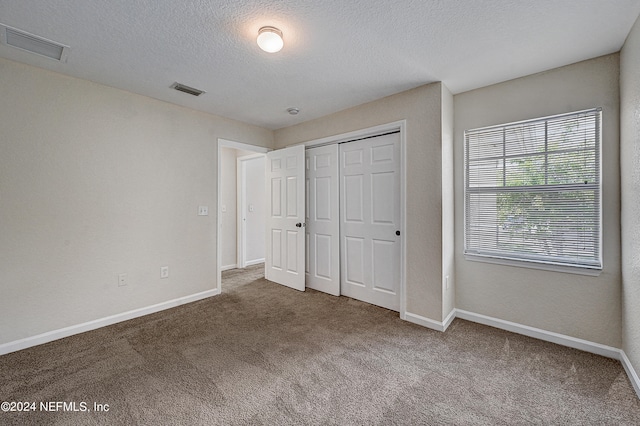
(533, 192)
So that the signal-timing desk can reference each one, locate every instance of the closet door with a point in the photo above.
(323, 224)
(370, 220)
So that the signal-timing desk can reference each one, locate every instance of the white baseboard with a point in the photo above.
(428, 322)
(254, 262)
(631, 372)
(537, 333)
(449, 319)
(226, 268)
(549, 336)
(50, 336)
(424, 321)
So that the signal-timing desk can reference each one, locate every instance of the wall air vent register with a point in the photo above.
(186, 89)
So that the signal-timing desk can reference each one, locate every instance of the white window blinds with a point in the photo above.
(533, 191)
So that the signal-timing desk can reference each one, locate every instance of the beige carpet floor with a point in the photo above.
(261, 353)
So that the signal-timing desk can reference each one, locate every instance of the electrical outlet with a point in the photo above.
(446, 282)
(122, 280)
(203, 210)
(164, 272)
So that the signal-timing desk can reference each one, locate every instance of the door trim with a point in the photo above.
(374, 131)
(225, 143)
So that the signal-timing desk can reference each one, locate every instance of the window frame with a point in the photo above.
(536, 262)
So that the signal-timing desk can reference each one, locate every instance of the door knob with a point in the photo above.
(397, 232)
(298, 225)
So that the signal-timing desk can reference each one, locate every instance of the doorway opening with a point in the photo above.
(234, 279)
(240, 224)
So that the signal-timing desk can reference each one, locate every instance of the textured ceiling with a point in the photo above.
(337, 53)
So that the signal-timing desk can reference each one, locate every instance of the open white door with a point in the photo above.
(285, 235)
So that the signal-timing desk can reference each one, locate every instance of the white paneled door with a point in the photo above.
(323, 224)
(285, 195)
(370, 220)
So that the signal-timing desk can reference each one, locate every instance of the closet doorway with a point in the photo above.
(354, 217)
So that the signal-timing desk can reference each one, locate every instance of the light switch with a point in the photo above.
(203, 210)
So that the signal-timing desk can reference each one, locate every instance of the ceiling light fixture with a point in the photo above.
(293, 110)
(270, 39)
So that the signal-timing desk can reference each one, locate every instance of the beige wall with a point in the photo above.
(228, 199)
(95, 182)
(421, 108)
(574, 305)
(448, 206)
(630, 173)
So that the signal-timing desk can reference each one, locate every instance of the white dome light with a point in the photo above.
(270, 39)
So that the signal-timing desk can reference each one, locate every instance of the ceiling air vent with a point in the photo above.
(33, 43)
(187, 89)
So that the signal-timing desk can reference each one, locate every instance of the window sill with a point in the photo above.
(535, 265)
